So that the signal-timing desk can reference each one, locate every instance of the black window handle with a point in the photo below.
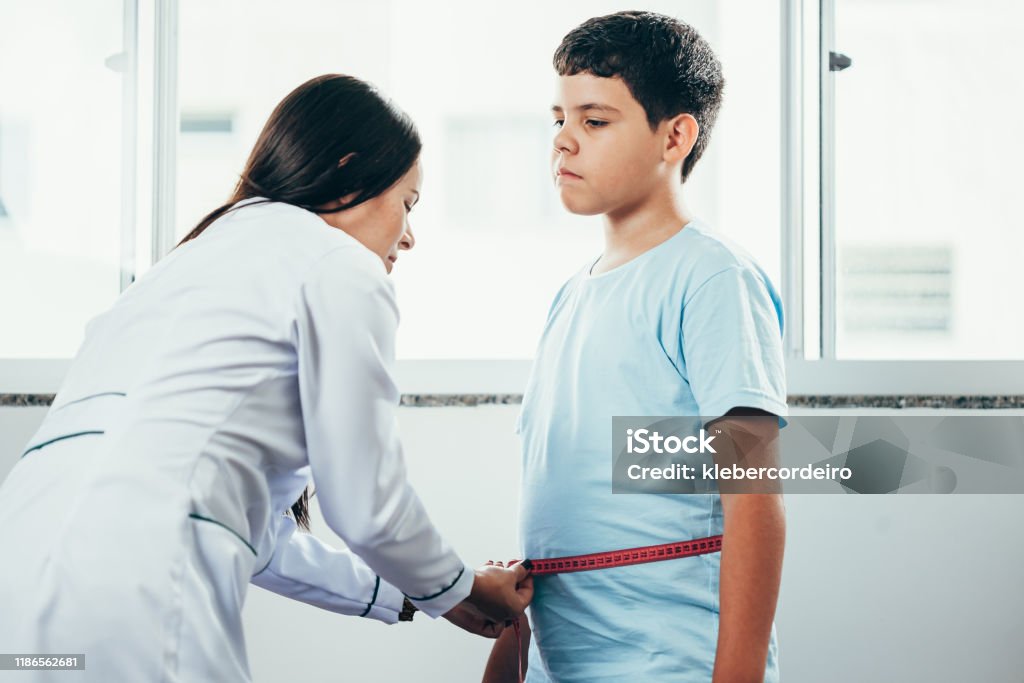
(837, 61)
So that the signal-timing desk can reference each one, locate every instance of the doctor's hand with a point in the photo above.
(469, 618)
(501, 593)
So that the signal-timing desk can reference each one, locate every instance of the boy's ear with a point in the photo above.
(682, 136)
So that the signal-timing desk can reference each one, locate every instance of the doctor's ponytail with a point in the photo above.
(298, 156)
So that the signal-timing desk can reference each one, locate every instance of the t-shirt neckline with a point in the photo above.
(631, 263)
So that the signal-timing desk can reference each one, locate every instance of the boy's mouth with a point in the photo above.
(566, 173)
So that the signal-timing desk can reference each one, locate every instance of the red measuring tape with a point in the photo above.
(624, 558)
(614, 558)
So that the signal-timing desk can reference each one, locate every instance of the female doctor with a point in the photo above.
(255, 358)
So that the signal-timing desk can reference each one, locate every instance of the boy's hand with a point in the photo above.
(502, 665)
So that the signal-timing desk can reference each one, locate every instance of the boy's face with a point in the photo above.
(605, 157)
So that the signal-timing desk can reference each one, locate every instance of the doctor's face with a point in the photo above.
(381, 224)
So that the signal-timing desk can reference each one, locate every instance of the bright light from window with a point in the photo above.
(60, 172)
(493, 243)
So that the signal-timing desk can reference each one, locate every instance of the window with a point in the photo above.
(60, 172)
(890, 188)
(927, 147)
(493, 242)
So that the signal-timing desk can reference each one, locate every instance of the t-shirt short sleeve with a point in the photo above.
(731, 336)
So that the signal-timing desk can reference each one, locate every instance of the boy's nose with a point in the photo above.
(564, 143)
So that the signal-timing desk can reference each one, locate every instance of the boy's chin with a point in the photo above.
(579, 207)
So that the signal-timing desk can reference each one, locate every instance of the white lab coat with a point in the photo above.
(245, 363)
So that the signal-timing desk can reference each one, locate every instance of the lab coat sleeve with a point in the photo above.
(304, 568)
(345, 339)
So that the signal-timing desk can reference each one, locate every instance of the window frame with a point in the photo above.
(805, 52)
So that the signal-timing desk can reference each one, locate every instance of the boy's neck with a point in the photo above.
(630, 231)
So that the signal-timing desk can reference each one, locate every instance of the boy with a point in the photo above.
(670, 320)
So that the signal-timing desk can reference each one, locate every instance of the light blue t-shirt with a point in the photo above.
(690, 327)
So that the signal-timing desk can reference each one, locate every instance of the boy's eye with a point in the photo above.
(408, 207)
(557, 123)
(593, 123)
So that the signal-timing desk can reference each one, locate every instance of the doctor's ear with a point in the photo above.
(682, 136)
(348, 199)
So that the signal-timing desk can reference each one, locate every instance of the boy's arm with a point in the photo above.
(731, 337)
(752, 549)
(501, 666)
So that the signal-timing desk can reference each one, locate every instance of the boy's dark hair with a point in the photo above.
(668, 68)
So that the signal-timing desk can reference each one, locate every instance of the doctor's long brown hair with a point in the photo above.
(331, 137)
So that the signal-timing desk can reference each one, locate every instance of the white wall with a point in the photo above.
(881, 588)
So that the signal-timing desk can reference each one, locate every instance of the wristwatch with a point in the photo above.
(408, 609)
